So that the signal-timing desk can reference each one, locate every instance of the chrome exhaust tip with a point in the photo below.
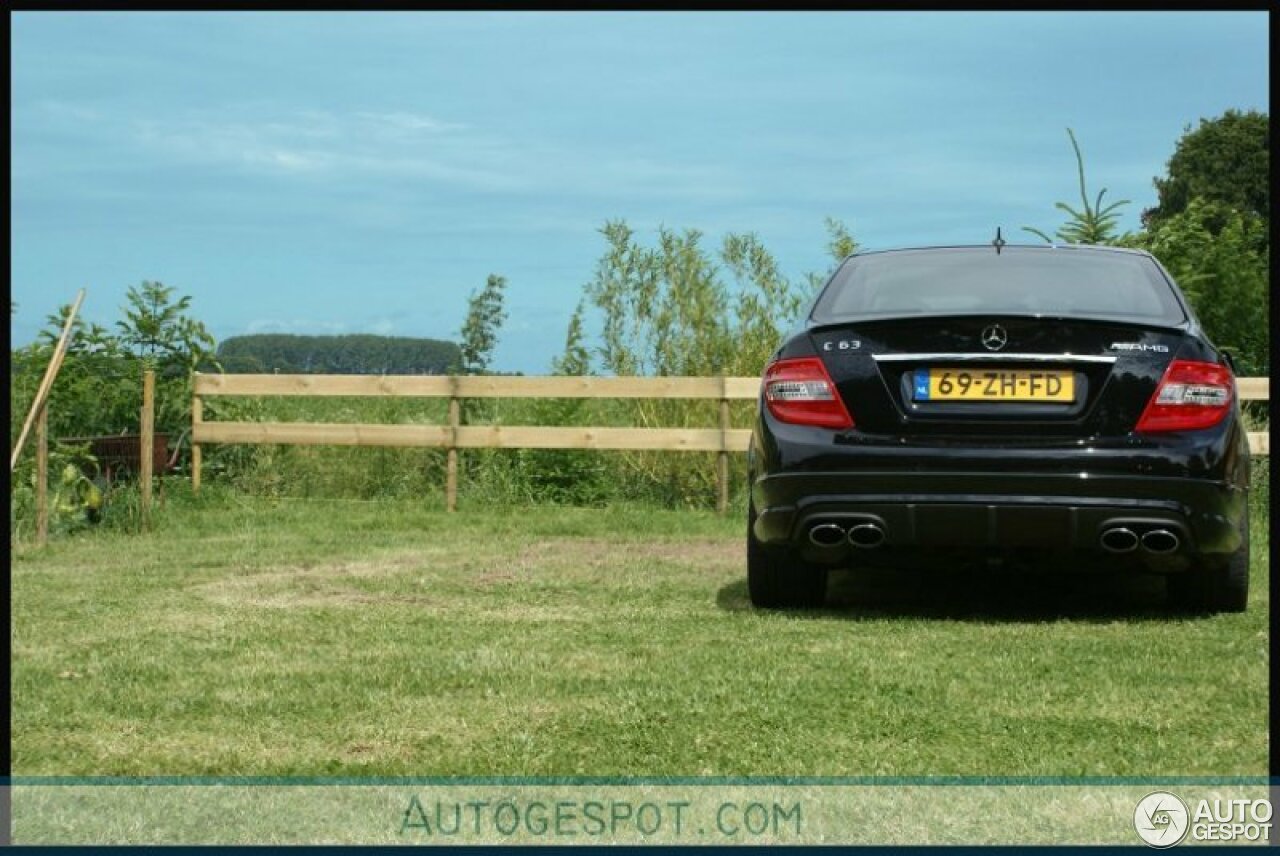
(1119, 540)
(866, 535)
(826, 534)
(1160, 541)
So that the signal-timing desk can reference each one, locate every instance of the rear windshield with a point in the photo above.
(1037, 280)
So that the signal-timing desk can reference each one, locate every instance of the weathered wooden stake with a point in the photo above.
(451, 475)
(148, 445)
(722, 465)
(42, 476)
(197, 457)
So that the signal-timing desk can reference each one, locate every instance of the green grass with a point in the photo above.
(250, 637)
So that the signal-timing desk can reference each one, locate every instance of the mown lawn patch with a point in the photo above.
(246, 637)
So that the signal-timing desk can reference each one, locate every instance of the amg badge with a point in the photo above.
(1139, 346)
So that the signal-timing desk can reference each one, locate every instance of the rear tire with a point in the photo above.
(777, 579)
(1218, 584)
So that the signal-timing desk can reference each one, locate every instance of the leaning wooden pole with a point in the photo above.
(42, 392)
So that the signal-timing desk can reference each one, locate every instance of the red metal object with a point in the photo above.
(121, 452)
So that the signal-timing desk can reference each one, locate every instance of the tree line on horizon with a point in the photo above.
(358, 353)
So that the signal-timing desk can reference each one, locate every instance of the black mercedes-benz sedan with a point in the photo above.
(1042, 407)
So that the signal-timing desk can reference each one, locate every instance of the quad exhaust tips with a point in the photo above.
(864, 535)
(1118, 539)
(868, 532)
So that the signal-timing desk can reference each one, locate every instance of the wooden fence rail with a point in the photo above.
(454, 436)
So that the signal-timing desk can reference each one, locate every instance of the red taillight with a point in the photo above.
(1191, 395)
(801, 392)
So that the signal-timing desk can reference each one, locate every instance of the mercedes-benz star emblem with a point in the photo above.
(994, 338)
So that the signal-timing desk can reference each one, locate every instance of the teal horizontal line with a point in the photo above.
(706, 781)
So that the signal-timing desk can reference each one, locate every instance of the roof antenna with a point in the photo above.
(999, 241)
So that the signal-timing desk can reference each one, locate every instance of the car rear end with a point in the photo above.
(1052, 405)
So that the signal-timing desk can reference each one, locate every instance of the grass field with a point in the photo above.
(249, 637)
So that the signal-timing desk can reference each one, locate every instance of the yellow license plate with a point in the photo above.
(993, 385)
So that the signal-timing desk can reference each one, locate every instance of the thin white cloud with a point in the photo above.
(410, 121)
(298, 326)
(324, 144)
(72, 111)
(408, 146)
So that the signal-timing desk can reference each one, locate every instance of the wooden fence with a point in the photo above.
(454, 436)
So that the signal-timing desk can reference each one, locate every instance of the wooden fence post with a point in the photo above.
(148, 446)
(451, 476)
(197, 458)
(722, 465)
(42, 475)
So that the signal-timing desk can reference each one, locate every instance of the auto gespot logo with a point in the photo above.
(1162, 820)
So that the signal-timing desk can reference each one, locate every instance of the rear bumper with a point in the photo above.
(1001, 511)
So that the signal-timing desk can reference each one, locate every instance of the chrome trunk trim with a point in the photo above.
(991, 357)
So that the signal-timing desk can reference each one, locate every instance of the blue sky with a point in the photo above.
(363, 172)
